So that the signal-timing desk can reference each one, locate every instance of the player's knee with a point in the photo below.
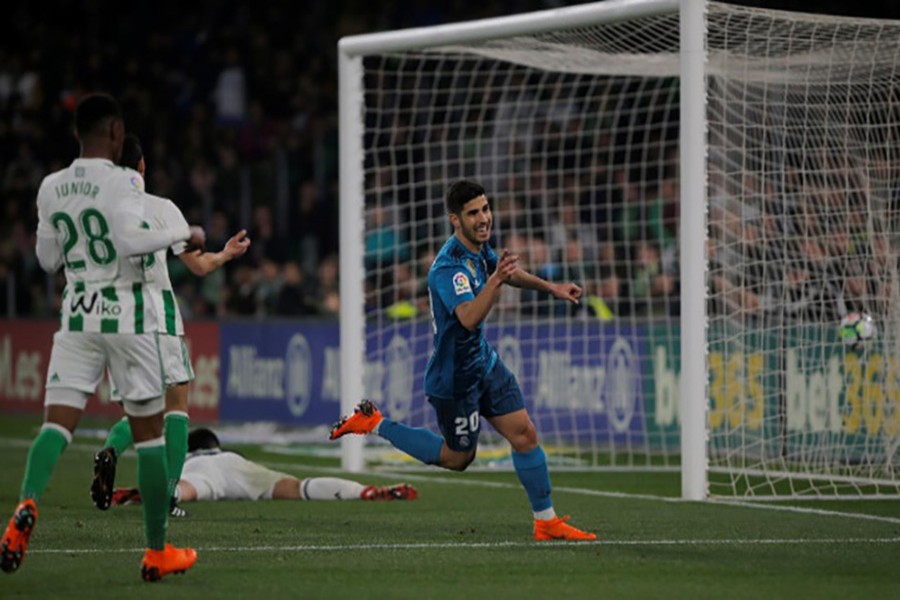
(287, 488)
(177, 397)
(531, 435)
(457, 461)
(458, 464)
(525, 439)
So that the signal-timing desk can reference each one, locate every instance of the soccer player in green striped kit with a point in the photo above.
(89, 223)
(161, 213)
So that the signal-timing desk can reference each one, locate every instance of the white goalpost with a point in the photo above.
(721, 180)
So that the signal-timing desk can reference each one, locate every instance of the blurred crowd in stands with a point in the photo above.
(236, 107)
(582, 173)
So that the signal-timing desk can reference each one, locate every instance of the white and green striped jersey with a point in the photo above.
(162, 213)
(87, 214)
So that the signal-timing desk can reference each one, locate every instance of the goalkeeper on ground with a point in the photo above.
(211, 473)
(465, 378)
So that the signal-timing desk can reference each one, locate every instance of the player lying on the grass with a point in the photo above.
(465, 379)
(178, 373)
(89, 223)
(211, 473)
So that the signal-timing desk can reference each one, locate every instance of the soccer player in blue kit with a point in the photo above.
(465, 379)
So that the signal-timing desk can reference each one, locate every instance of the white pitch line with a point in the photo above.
(462, 481)
(489, 545)
(810, 511)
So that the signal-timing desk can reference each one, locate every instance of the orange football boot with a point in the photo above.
(364, 419)
(15, 538)
(159, 563)
(558, 529)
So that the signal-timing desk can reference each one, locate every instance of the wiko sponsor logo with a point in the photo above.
(88, 303)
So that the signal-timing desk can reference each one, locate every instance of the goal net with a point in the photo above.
(570, 120)
(803, 173)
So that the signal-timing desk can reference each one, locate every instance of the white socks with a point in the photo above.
(545, 515)
(330, 488)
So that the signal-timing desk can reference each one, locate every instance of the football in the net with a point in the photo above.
(857, 328)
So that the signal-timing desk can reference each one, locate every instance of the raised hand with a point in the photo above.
(566, 291)
(237, 244)
(506, 266)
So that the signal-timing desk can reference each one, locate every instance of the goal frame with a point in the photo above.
(352, 49)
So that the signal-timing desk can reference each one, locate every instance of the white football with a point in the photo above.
(856, 328)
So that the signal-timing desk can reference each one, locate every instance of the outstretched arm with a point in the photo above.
(563, 291)
(139, 240)
(204, 263)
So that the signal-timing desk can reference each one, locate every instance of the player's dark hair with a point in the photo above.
(93, 111)
(132, 153)
(202, 439)
(461, 192)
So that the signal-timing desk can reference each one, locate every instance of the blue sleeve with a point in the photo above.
(451, 285)
(490, 259)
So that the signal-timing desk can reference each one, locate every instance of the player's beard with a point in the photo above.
(475, 237)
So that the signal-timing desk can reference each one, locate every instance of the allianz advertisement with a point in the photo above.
(587, 379)
(580, 380)
(280, 371)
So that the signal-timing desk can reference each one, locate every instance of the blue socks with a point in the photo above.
(531, 468)
(421, 444)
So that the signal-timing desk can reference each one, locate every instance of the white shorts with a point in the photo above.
(176, 360)
(176, 363)
(79, 359)
(229, 476)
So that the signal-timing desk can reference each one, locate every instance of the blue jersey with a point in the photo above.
(461, 358)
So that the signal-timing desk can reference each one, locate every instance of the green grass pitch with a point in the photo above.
(468, 536)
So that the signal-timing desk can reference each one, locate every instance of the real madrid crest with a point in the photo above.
(471, 266)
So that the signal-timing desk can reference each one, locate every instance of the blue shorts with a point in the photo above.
(498, 393)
